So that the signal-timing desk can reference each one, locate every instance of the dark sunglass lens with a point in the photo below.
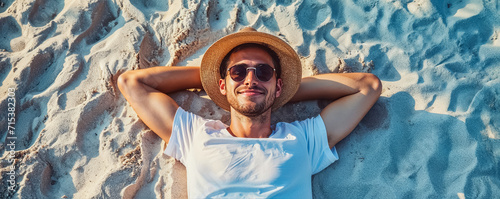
(238, 73)
(264, 72)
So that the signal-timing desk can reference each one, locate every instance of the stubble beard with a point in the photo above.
(252, 110)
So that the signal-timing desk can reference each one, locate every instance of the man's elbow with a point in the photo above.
(126, 80)
(373, 84)
(376, 84)
(122, 81)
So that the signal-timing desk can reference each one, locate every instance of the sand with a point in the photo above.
(434, 133)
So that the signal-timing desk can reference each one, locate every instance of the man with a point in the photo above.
(250, 74)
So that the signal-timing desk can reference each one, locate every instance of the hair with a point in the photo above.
(274, 56)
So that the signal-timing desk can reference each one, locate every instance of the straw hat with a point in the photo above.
(291, 69)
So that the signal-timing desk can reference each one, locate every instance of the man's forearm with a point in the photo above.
(336, 85)
(166, 79)
(147, 90)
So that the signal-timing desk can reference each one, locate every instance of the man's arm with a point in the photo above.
(354, 95)
(146, 91)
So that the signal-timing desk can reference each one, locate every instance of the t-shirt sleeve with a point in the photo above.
(317, 144)
(183, 130)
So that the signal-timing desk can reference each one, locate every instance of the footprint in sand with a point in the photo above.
(44, 11)
(5, 4)
(9, 29)
(41, 68)
(5, 68)
(311, 14)
(32, 111)
(398, 24)
(462, 96)
(102, 17)
(92, 121)
(149, 51)
(157, 5)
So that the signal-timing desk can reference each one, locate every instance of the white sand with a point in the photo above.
(434, 133)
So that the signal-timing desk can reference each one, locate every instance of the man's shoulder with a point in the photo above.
(182, 116)
(310, 120)
(187, 115)
(301, 126)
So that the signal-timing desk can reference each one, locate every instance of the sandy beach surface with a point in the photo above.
(434, 132)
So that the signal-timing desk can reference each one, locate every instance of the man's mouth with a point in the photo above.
(251, 92)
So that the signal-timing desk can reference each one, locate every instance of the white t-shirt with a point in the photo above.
(221, 165)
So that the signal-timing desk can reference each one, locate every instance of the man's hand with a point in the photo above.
(354, 95)
(146, 91)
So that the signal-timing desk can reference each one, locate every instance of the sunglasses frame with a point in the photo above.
(254, 71)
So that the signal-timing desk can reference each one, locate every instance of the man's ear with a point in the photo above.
(279, 86)
(222, 86)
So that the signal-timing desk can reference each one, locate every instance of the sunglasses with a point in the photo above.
(263, 72)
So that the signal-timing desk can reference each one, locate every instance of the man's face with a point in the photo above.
(250, 97)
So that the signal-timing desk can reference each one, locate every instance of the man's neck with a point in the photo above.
(250, 127)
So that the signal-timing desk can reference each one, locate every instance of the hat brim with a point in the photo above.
(291, 69)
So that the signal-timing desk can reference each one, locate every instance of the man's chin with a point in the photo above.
(251, 98)
(250, 102)
(249, 109)
(250, 106)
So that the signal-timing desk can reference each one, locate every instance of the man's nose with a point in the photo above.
(250, 79)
